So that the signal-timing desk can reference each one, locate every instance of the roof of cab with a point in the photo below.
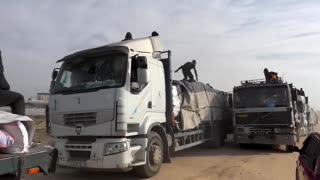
(143, 45)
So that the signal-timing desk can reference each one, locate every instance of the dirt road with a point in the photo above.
(199, 163)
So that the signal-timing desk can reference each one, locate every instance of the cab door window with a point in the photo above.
(139, 73)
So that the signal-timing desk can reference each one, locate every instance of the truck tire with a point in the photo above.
(154, 157)
(289, 148)
(242, 146)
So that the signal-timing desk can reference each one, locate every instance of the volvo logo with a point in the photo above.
(78, 130)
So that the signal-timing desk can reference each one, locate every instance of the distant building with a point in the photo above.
(43, 97)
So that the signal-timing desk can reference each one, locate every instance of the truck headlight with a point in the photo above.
(113, 148)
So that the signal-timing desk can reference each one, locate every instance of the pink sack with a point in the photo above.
(5, 139)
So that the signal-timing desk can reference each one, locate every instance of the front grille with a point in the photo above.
(260, 130)
(85, 119)
(81, 147)
(80, 155)
(81, 139)
(263, 118)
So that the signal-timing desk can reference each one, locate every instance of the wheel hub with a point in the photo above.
(156, 154)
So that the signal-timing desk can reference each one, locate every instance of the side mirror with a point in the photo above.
(142, 62)
(54, 74)
(142, 76)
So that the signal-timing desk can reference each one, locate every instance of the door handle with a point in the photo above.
(150, 104)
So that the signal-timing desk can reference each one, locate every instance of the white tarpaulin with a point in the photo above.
(21, 128)
(198, 102)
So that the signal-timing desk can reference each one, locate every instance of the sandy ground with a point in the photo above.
(200, 163)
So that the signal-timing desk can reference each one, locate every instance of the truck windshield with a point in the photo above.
(84, 74)
(261, 97)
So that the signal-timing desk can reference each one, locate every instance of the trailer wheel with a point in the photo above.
(154, 157)
(289, 148)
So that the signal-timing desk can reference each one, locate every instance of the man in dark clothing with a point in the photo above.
(270, 76)
(10, 98)
(186, 70)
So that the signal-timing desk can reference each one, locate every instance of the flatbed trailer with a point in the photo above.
(39, 159)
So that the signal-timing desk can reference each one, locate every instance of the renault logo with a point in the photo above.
(78, 100)
(78, 130)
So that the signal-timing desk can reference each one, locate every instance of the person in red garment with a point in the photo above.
(10, 98)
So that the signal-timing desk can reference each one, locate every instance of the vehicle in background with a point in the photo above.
(312, 118)
(269, 113)
(111, 107)
(308, 163)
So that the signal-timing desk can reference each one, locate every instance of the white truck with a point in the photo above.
(111, 108)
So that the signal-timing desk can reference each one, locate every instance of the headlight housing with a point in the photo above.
(113, 148)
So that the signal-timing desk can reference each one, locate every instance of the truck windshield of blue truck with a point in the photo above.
(249, 97)
(108, 71)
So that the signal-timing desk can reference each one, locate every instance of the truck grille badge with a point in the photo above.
(78, 130)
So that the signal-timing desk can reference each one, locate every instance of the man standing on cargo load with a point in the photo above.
(186, 70)
(10, 98)
(270, 76)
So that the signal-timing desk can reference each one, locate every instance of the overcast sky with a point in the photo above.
(231, 40)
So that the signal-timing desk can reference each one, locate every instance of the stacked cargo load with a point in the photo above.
(196, 102)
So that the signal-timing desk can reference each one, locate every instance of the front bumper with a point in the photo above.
(96, 159)
(272, 139)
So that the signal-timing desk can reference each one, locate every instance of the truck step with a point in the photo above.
(134, 147)
(138, 163)
(132, 133)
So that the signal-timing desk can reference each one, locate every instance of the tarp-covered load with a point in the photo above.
(20, 129)
(195, 102)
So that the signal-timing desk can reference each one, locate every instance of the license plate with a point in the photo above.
(77, 164)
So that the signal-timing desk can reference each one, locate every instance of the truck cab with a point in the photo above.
(107, 108)
(263, 113)
(111, 107)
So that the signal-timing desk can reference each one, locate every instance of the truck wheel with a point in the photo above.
(154, 157)
(289, 148)
(243, 146)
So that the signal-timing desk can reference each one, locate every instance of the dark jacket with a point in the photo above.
(4, 85)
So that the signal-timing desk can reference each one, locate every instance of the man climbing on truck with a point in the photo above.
(186, 70)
